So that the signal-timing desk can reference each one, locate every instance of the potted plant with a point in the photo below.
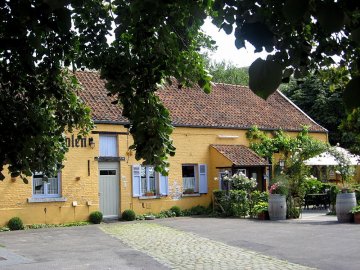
(356, 212)
(261, 209)
(189, 191)
(345, 200)
(150, 193)
(277, 201)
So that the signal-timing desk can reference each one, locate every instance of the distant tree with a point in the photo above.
(226, 72)
(326, 107)
(350, 128)
(321, 97)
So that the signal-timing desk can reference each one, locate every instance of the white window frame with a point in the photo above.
(46, 185)
(223, 173)
(147, 179)
(196, 176)
(104, 150)
(243, 171)
(161, 183)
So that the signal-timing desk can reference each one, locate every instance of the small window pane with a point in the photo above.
(188, 171)
(38, 185)
(45, 188)
(151, 178)
(148, 179)
(188, 177)
(107, 172)
(53, 187)
(143, 179)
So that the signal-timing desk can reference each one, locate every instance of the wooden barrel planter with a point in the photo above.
(277, 207)
(357, 218)
(344, 203)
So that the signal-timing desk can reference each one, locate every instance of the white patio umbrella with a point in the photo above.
(327, 159)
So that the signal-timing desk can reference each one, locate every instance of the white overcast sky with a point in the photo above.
(226, 47)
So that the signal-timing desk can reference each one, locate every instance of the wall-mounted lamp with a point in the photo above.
(91, 142)
(282, 163)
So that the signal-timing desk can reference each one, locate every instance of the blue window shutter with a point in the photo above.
(136, 180)
(163, 183)
(203, 181)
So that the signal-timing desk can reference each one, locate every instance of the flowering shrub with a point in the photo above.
(241, 182)
(241, 197)
(278, 188)
(312, 185)
(239, 202)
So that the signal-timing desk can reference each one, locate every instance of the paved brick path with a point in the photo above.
(182, 250)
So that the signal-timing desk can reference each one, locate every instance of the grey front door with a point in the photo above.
(109, 194)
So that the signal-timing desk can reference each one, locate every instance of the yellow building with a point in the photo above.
(100, 173)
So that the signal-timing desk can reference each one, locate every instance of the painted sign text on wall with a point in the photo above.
(75, 142)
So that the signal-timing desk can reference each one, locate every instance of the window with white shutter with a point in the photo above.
(108, 145)
(136, 180)
(203, 181)
(147, 182)
(194, 178)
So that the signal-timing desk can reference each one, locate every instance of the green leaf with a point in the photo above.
(15, 174)
(264, 77)
(227, 28)
(258, 34)
(294, 10)
(330, 16)
(64, 19)
(239, 43)
(355, 35)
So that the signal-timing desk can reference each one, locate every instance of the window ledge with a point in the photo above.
(42, 200)
(149, 197)
(191, 195)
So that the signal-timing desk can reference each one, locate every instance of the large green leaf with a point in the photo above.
(258, 34)
(264, 77)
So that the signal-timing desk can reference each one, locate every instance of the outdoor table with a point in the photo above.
(317, 200)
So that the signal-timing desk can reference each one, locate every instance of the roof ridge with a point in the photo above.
(88, 71)
(231, 84)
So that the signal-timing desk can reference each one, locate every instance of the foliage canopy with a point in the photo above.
(153, 41)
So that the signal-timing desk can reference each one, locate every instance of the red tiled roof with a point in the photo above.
(227, 106)
(240, 155)
(94, 94)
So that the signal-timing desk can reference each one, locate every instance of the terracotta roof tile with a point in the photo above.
(240, 155)
(95, 96)
(227, 106)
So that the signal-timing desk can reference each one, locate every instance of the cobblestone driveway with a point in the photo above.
(182, 250)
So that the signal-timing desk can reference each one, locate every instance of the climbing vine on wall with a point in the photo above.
(293, 150)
